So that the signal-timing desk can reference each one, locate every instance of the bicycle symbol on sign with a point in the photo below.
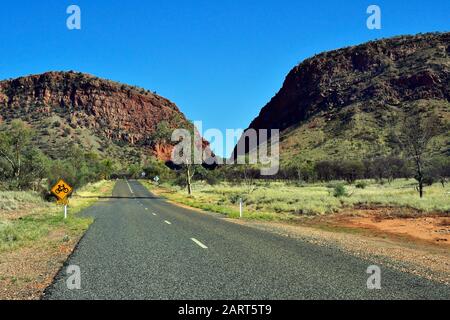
(62, 188)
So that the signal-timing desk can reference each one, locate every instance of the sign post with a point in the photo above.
(62, 190)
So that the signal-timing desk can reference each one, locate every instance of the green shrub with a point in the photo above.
(340, 191)
(212, 179)
(236, 198)
(180, 181)
(361, 185)
(428, 181)
(8, 234)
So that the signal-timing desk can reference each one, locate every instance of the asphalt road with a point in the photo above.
(141, 247)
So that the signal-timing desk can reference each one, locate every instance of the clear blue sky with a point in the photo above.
(219, 61)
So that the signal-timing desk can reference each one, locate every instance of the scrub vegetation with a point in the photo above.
(286, 201)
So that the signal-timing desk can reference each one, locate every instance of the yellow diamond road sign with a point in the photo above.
(61, 189)
(64, 202)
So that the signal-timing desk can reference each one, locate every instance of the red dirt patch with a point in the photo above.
(431, 228)
(25, 273)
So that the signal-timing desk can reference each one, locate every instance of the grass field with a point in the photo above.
(279, 200)
(25, 218)
(35, 239)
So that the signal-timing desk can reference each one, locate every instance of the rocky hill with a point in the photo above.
(68, 108)
(348, 102)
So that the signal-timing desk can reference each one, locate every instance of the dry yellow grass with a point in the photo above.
(279, 200)
(35, 239)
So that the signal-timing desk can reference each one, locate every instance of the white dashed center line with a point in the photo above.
(129, 187)
(201, 245)
(168, 222)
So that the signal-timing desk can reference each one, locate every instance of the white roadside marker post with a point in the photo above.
(65, 211)
(240, 208)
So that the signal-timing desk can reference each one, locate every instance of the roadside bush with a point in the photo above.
(8, 234)
(211, 179)
(350, 171)
(389, 168)
(428, 181)
(236, 198)
(180, 181)
(440, 170)
(22, 165)
(361, 185)
(340, 191)
(79, 168)
(135, 171)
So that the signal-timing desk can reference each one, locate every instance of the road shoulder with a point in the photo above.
(40, 241)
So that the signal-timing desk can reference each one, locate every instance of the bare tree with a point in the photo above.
(249, 178)
(13, 141)
(186, 156)
(415, 137)
(190, 171)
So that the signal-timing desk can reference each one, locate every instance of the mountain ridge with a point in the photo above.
(369, 86)
(75, 104)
